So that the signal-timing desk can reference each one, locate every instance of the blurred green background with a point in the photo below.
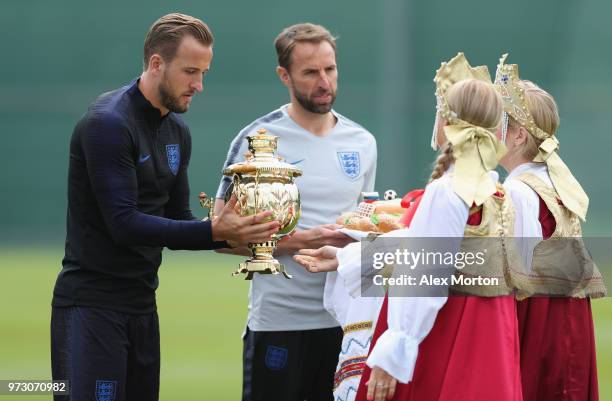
(57, 57)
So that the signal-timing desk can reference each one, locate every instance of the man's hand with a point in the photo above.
(381, 385)
(318, 260)
(314, 238)
(239, 231)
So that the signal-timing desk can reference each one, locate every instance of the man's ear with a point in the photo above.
(156, 64)
(283, 74)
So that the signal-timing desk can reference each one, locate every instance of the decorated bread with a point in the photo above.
(377, 217)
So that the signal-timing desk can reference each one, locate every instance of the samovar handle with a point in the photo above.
(208, 203)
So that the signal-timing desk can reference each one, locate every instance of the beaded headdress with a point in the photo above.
(507, 83)
(450, 72)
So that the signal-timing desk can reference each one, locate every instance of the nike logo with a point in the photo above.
(296, 162)
(143, 158)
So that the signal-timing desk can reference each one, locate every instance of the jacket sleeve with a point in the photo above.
(108, 149)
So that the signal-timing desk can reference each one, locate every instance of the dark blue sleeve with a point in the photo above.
(109, 154)
(178, 207)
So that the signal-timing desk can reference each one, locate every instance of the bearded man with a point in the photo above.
(128, 198)
(291, 343)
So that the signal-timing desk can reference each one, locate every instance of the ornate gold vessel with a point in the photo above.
(263, 182)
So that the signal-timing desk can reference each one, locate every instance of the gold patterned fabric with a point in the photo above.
(493, 234)
(561, 264)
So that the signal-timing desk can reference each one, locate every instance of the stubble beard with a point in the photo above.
(168, 100)
(308, 104)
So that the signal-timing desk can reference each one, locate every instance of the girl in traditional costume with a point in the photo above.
(557, 342)
(459, 347)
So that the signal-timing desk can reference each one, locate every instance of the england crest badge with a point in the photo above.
(106, 390)
(349, 162)
(276, 357)
(173, 152)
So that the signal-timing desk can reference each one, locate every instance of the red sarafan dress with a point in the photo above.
(557, 341)
(471, 352)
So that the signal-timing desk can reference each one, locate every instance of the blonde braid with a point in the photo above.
(443, 161)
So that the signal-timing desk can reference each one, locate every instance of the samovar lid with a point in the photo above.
(261, 157)
(262, 143)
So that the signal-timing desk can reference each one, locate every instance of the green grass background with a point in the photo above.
(202, 313)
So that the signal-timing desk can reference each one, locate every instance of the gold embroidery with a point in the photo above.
(496, 226)
(561, 264)
(357, 326)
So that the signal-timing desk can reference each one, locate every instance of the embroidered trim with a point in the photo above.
(350, 368)
(357, 326)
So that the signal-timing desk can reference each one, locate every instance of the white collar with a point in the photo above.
(284, 107)
(526, 167)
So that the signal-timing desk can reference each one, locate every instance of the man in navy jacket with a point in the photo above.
(128, 197)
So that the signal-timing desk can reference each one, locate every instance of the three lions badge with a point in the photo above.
(349, 162)
(106, 390)
(173, 153)
(276, 357)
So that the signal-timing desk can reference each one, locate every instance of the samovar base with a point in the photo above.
(252, 266)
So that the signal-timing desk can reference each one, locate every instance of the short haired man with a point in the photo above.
(292, 343)
(128, 197)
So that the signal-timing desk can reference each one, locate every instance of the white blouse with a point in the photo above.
(442, 214)
(527, 227)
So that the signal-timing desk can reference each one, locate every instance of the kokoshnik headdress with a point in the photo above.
(476, 149)
(507, 82)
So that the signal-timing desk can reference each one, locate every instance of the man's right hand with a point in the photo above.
(314, 238)
(239, 231)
